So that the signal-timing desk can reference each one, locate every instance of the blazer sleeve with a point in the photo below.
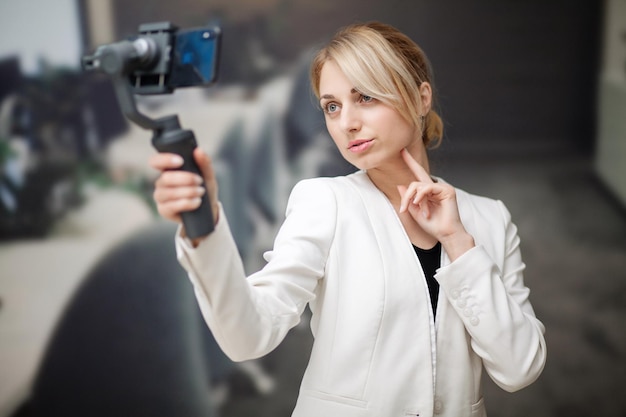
(494, 304)
(250, 316)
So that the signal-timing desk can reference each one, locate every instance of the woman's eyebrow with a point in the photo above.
(331, 97)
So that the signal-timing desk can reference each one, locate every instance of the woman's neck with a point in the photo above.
(387, 178)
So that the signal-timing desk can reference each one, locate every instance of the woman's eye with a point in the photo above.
(366, 99)
(331, 107)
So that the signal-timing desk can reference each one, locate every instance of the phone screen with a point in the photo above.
(195, 58)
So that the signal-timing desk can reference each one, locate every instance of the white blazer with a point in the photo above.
(377, 350)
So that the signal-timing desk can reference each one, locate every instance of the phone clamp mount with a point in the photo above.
(143, 66)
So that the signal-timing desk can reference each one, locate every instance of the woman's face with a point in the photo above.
(369, 133)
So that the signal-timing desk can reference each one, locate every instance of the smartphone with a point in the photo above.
(195, 56)
(185, 58)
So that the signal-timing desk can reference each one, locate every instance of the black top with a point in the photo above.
(430, 259)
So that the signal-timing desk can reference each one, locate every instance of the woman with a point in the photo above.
(414, 286)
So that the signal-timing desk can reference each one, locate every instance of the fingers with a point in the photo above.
(418, 192)
(173, 208)
(177, 190)
(165, 161)
(419, 195)
(415, 194)
(204, 163)
(178, 179)
(405, 196)
(424, 196)
(419, 172)
(177, 184)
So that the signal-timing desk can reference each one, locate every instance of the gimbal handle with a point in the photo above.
(119, 60)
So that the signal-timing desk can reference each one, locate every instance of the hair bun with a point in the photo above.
(433, 130)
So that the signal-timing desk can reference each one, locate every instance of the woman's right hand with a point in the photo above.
(177, 191)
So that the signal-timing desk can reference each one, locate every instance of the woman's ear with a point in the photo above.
(426, 94)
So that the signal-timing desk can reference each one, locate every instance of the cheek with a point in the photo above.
(338, 138)
(401, 129)
(333, 131)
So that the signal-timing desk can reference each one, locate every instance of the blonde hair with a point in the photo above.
(385, 64)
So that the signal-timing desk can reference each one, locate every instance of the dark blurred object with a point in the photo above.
(131, 342)
(10, 76)
(106, 117)
(303, 120)
(53, 130)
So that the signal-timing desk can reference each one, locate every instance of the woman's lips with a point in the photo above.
(359, 145)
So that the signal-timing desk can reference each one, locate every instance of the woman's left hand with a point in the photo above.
(434, 208)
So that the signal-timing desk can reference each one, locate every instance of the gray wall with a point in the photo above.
(518, 74)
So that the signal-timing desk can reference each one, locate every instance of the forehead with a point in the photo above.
(333, 81)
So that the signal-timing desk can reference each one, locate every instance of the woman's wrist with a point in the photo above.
(196, 241)
(457, 244)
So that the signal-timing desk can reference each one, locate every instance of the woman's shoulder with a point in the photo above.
(356, 179)
(329, 193)
(482, 210)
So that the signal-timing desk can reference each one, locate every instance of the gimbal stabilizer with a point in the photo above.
(148, 65)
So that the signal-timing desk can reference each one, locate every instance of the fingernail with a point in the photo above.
(177, 159)
(196, 201)
(200, 190)
(198, 179)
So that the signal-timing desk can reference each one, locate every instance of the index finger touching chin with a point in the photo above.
(415, 167)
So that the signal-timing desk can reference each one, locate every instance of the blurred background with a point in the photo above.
(97, 318)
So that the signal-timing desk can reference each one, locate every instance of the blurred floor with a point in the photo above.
(574, 244)
(39, 276)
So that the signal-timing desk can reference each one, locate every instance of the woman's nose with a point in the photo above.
(350, 119)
